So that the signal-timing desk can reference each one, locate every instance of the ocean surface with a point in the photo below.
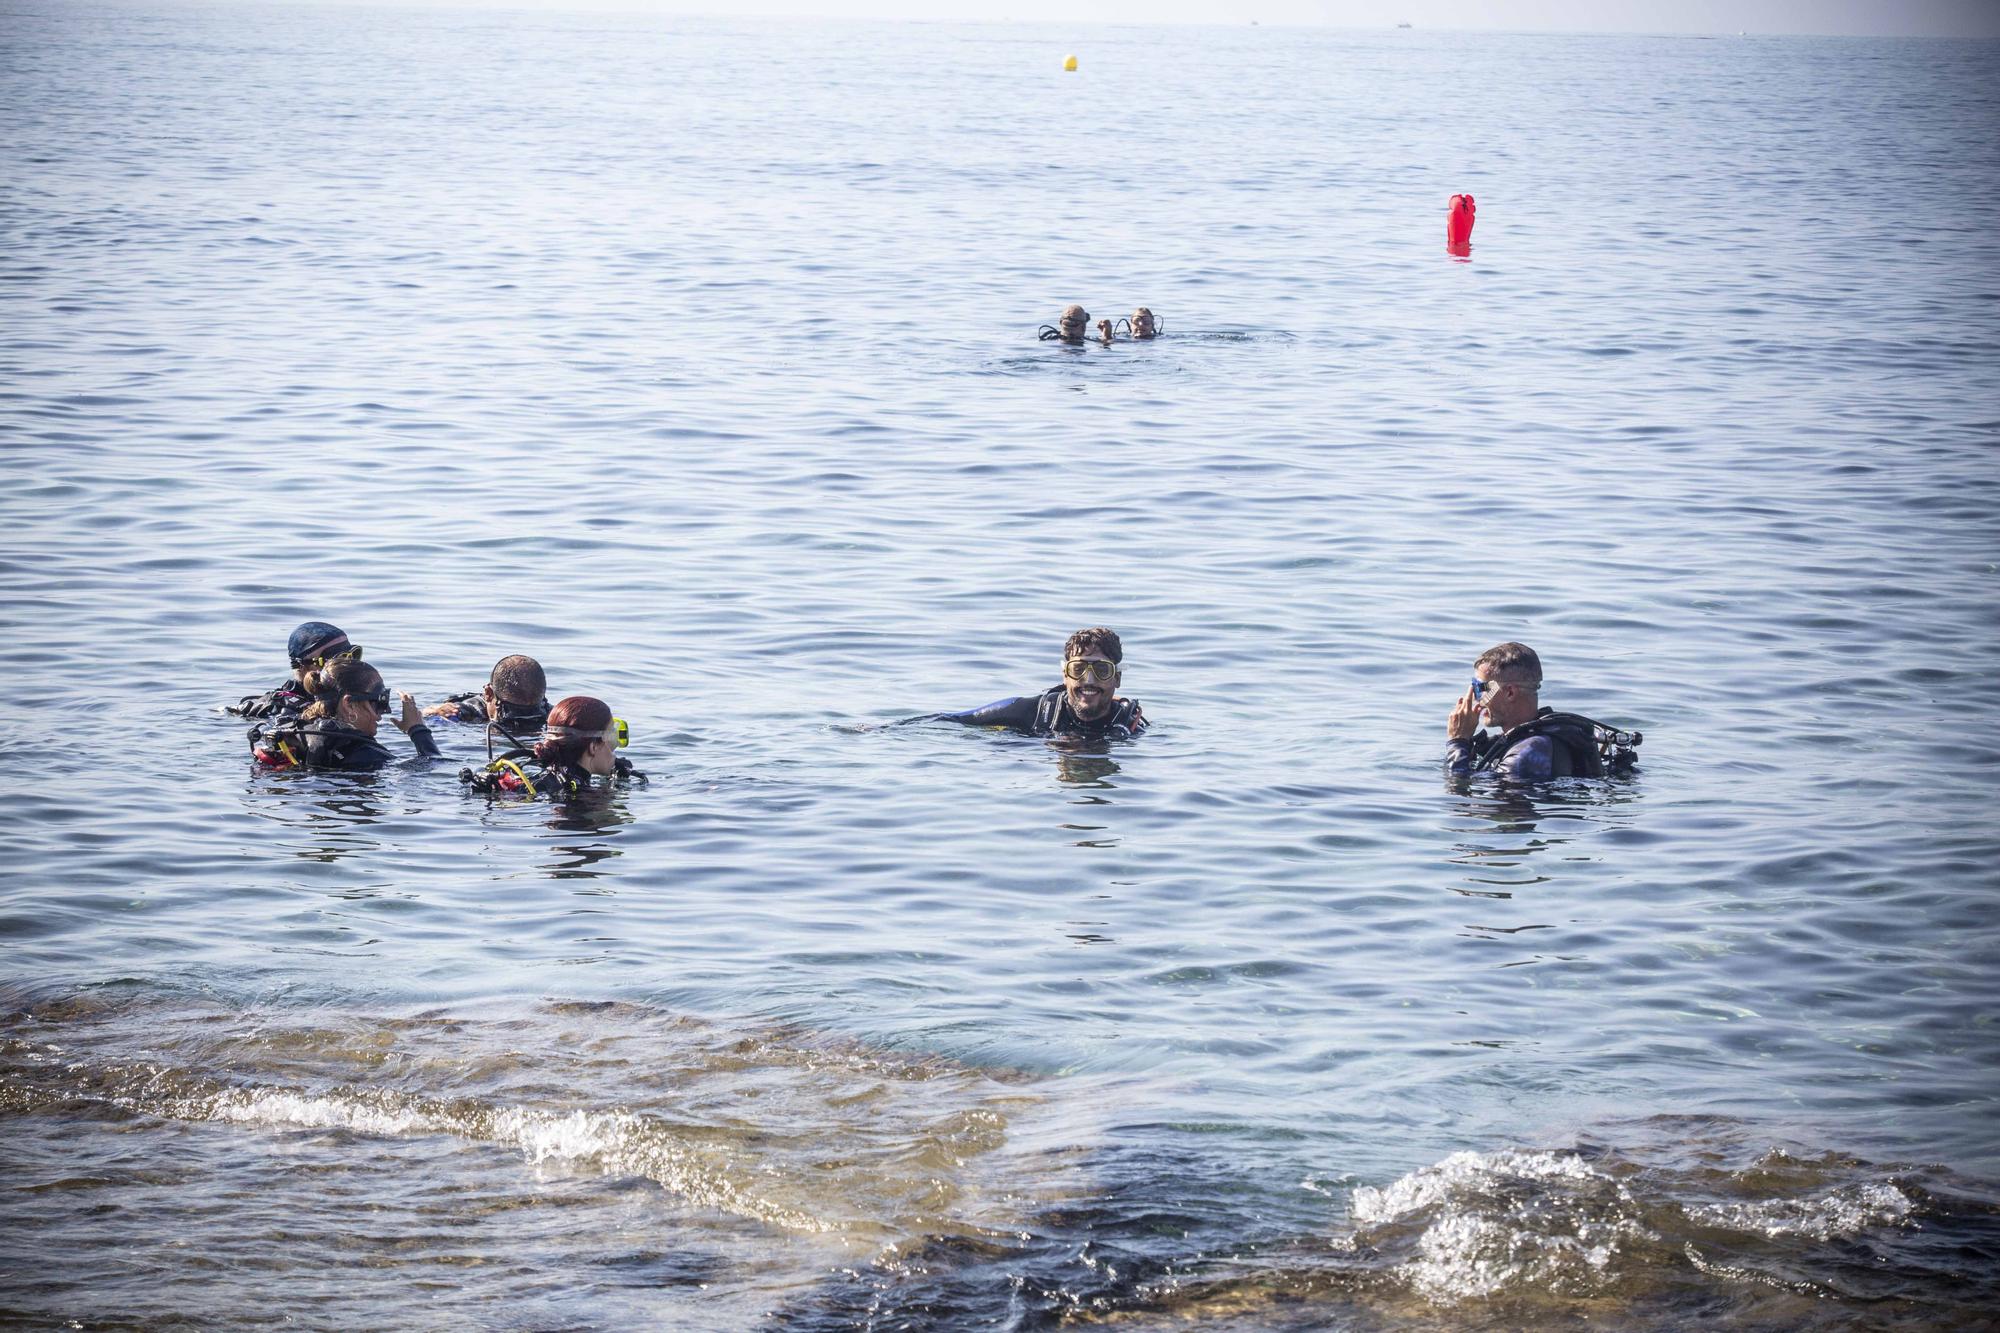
(698, 359)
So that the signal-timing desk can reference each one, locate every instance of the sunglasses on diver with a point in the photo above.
(351, 653)
(1098, 670)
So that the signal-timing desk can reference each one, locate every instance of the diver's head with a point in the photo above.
(1507, 678)
(1143, 323)
(1072, 322)
(517, 691)
(314, 644)
(581, 731)
(1091, 672)
(350, 692)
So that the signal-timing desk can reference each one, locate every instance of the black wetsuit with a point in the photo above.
(515, 770)
(1549, 745)
(1049, 714)
(288, 697)
(327, 742)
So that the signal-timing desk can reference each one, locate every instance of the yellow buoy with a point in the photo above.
(1069, 64)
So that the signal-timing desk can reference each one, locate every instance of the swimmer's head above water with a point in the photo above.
(517, 691)
(1071, 323)
(1091, 671)
(1143, 324)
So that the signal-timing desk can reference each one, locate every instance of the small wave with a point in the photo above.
(1843, 1212)
(616, 1143)
(783, 1126)
(1507, 1221)
(1520, 1224)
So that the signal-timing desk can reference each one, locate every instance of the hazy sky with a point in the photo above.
(1939, 18)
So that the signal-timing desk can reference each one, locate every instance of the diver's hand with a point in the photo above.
(412, 715)
(445, 709)
(1464, 718)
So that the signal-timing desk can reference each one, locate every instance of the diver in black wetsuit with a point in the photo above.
(313, 644)
(514, 700)
(1085, 704)
(579, 743)
(337, 731)
(1533, 743)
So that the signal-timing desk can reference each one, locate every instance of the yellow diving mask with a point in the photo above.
(618, 734)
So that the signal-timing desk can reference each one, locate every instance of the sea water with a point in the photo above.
(699, 360)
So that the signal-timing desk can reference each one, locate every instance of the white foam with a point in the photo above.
(1842, 1212)
(1466, 1256)
(1506, 1221)
(301, 1111)
(615, 1143)
(1463, 1171)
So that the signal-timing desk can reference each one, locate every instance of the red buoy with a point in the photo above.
(1458, 224)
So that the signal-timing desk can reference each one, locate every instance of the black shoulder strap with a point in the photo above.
(1049, 710)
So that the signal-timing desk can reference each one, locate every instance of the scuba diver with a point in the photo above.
(1085, 704)
(515, 699)
(1142, 325)
(1534, 743)
(1069, 326)
(313, 644)
(337, 730)
(579, 742)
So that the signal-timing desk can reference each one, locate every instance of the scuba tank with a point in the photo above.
(1595, 749)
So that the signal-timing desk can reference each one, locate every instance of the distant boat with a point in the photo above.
(1402, 25)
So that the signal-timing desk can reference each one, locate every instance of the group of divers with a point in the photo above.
(325, 715)
(1073, 325)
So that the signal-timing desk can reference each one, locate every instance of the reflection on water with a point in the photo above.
(594, 812)
(328, 816)
(1085, 769)
(1514, 823)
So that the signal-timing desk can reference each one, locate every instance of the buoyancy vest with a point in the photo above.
(323, 742)
(1054, 717)
(288, 697)
(1584, 748)
(517, 771)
